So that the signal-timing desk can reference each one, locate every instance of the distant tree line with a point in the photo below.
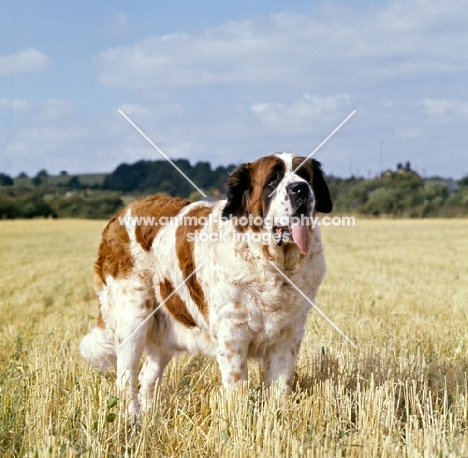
(51, 202)
(398, 193)
(70, 196)
(160, 176)
(19, 203)
(6, 180)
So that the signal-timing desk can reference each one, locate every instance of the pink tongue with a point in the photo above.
(300, 236)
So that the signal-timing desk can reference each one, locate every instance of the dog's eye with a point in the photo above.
(273, 180)
(303, 173)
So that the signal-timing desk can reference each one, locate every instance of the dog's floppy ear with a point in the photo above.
(323, 202)
(237, 192)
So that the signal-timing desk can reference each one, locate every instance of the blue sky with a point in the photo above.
(228, 82)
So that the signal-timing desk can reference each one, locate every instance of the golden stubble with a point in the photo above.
(397, 288)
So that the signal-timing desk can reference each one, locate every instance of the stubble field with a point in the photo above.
(397, 288)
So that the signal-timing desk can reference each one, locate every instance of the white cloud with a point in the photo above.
(133, 109)
(54, 110)
(14, 104)
(443, 107)
(233, 93)
(26, 61)
(50, 135)
(308, 106)
(301, 115)
(118, 25)
(58, 135)
(409, 132)
(345, 46)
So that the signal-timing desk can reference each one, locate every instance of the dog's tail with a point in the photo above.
(98, 348)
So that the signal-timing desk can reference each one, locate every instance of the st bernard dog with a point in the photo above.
(174, 276)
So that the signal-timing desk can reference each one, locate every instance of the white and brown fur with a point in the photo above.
(236, 306)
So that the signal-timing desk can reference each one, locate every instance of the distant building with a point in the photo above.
(452, 185)
(400, 168)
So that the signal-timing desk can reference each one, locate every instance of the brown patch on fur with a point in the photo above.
(247, 191)
(185, 255)
(292, 255)
(236, 377)
(266, 251)
(114, 257)
(305, 171)
(175, 305)
(261, 171)
(100, 321)
(158, 206)
(149, 304)
(230, 345)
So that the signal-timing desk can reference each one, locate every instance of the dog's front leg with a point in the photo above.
(232, 346)
(280, 361)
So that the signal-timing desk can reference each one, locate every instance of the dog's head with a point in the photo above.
(274, 196)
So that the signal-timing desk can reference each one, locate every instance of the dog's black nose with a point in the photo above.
(298, 189)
